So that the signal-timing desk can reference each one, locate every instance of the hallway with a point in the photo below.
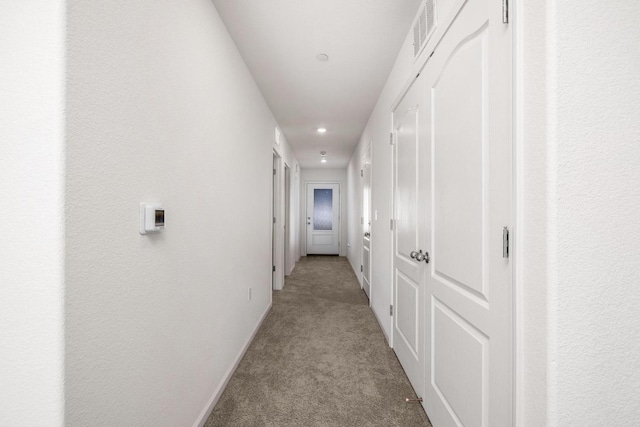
(319, 359)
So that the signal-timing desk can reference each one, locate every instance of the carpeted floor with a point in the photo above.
(320, 359)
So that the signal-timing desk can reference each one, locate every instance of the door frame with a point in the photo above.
(303, 236)
(364, 161)
(393, 229)
(277, 215)
(287, 219)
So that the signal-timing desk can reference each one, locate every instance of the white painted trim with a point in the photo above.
(517, 296)
(371, 244)
(392, 179)
(206, 411)
(383, 331)
(277, 243)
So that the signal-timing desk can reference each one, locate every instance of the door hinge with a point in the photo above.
(391, 310)
(391, 138)
(274, 219)
(273, 268)
(505, 11)
(361, 269)
(391, 224)
(505, 242)
(274, 171)
(361, 172)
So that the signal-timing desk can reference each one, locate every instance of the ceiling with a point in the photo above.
(279, 41)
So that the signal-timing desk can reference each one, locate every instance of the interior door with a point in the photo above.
(323, 219)
(469, 279)
(366, 229)
(274, 199)
(409, 237)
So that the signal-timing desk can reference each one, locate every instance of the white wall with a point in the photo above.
(31, 217)
(161, 107)
(320, 175)
(580, 200)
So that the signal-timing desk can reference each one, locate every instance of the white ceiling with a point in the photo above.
(279, 41)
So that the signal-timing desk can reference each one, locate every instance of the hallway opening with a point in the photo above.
(319, 359)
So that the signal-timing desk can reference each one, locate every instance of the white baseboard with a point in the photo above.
(202, 418)
(381, 327)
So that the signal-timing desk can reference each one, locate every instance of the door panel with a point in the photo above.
(458, 165)
(409, 186)
(455, 338)
(366, 268)
(407, 292)
(468, 82)
(323, 219)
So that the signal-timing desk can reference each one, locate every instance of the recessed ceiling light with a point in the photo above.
(323, 156)
(322, 130)
(322, 57)
(323, 160)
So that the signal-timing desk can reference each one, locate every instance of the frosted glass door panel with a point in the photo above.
(323, 209)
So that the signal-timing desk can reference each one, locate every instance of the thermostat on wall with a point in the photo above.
(151, 217)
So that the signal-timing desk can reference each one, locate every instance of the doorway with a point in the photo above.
(278, 224)
(274, 204)
(410, 183)
(452, 276)
(323, 219)
(287, 220)
(365, 219)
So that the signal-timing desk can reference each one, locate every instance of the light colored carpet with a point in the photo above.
(319, 359)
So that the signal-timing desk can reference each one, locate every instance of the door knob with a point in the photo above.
(367, 234)
(422, 257)
(413, 254)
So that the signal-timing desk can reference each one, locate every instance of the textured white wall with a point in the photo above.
(161, 107)
(579, 173)
(319, 175)
(31, 217)
(595, 211)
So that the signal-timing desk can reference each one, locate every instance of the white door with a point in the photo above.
(409, 237)
(469, 280)
(274, 201)
(366, 229)
(323, 219)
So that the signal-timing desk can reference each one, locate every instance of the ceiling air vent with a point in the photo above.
(423, 27)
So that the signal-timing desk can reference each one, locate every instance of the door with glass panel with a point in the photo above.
(323, 219)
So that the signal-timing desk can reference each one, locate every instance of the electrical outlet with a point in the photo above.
(249, 294)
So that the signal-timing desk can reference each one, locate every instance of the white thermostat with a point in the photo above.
(151, 217)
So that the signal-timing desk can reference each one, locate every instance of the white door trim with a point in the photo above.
(277, 244)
